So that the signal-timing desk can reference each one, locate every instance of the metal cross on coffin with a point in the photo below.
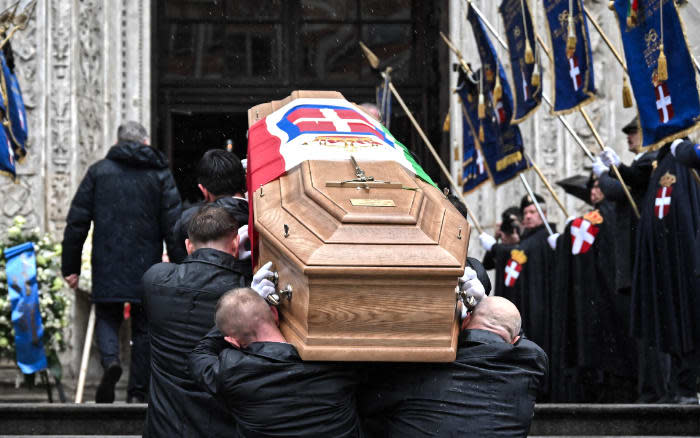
(362, 180)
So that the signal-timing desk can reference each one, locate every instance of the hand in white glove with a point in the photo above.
(472, 287)
(610, 157)
(552, 240)
(569, 219)
(599, 168)
(675, 144)
(243, 254)
(487, 241)
(261, 281)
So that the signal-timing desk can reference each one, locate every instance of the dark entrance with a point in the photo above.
(214, 59)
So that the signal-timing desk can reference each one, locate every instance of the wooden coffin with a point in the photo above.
(373, 270)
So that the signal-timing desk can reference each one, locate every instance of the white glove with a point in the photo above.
(243, 254)
(261, 283)
(487, 241)
(674, 145)
(568, 220)
(552, 240)
(599, 168)
(610, 157)
(244, 163)
(470, 284)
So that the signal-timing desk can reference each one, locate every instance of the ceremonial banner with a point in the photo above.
(7, 155)
(573, 85)
(16, 111)
(320, 129)
(668, 109)
(492, 66)
(528, 93)
(474, 172)
(502, 148)
(24, 298)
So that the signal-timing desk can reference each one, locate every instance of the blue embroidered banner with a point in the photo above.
(24, 298)
(667, 109)
(573, 85)
(17, 113)
(502, 148)
(474, 172)
(7, 155)
(491, 65)
(520, 33)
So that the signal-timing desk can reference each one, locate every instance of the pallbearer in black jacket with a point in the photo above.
(488, 391)
(180, 301)
(262, 380)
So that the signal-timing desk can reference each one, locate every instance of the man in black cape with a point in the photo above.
(595, 353)
(688, 154)
(653, 365)
(508, 235)
(665, 289)
(528, 273)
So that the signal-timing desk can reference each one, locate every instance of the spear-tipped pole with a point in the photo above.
(374, 62)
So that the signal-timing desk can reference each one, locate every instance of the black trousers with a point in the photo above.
(109, 317)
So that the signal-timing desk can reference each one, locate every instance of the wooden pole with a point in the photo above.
(549, 186)
(457, 188)
(614, 167)
(605, 39)
(86, 355)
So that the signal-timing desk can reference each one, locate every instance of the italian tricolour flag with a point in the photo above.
(319, 129)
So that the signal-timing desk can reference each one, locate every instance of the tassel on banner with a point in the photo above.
(482, 137)
(611, 5)
(663, 65)
(482, 107)
(571, 39)
(529, 54)
(627, 101)
(497, 89)
(535, 79)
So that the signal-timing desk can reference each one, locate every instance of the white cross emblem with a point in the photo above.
(580, 234)
(512, 273)
(574, 72)
(663, 103)
(663, 200)
(329, 115)
(480, 161)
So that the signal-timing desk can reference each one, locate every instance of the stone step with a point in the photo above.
(551, 420)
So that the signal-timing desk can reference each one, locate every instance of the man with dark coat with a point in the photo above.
(653, 365)
(221, 179)
(688, 154)
(528, 273)
(180, 302)
(132, 199)
(665, 298)
(508, 234)
(488, 391)
(247, 364)
(596, 355)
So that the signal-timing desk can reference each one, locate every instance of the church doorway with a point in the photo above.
(214, 59)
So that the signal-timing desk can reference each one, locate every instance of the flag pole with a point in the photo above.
(374, 63)
(537, 204)
(605, 39)
(458, 190)
(548, 186)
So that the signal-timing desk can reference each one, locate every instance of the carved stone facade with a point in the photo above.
(546, 140)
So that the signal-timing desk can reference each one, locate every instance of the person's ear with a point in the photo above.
(234, 244)
(232, 341)
(208, 197)
(189, 246)
(275, 315)
(515, 339)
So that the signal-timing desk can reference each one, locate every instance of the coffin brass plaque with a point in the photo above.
(373, 202)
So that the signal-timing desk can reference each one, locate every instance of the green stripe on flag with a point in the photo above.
(420, 173)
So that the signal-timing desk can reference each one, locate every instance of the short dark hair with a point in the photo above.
(221, 173)
(210, 224)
